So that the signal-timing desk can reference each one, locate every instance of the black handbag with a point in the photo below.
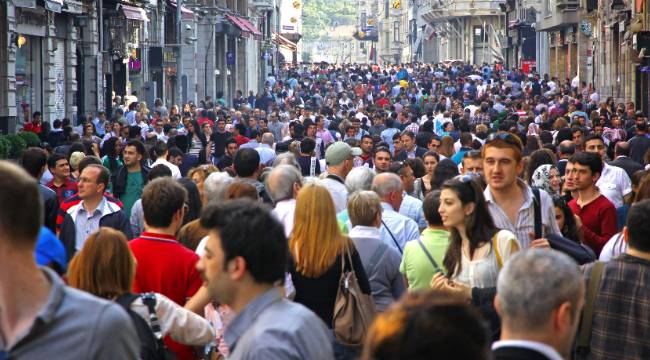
(582, 254)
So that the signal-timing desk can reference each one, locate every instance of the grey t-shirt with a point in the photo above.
(76, 325)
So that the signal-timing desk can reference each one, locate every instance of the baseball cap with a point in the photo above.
(339, 152)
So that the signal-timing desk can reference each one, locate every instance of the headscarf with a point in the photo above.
(541, 178)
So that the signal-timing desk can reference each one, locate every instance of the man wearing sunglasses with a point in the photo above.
(509, 199)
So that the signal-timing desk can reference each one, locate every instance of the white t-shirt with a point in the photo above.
(176, 172)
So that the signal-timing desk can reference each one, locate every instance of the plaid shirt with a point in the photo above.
(621, 321)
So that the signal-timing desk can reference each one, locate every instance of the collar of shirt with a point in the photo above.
(387, 206)
(99, 209)
(157, 237)
(542, 348)
(245, 319)
(528, 194)
(361, 231)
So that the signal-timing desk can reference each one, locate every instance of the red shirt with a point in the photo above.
(598, 221)
(167, 267)
(240, 139)
(382, 102)
(32, 127)
(66, 190)
(202, 120)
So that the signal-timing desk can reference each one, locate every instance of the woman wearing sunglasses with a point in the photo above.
(477, 248)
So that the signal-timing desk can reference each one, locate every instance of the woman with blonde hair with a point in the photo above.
(105, 267)
(316, 249)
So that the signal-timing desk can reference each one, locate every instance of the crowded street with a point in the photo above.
(374, 210)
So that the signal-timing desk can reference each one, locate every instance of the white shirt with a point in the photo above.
(614, 184)
(404, 229)
(176, 172)
(339, 193)
(541, 348)
(284, 211)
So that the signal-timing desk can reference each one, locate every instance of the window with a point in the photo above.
(386, 7)
(479, 35)
(396, 34)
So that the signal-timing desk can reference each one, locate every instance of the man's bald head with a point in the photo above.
(622, 149)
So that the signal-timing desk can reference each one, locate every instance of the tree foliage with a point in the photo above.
(319, 17)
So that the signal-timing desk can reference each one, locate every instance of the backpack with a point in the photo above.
(152, 346)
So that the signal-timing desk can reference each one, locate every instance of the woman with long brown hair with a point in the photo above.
(105, 267)
(317, 248)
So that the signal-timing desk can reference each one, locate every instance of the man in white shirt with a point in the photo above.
(339, 158)
(161, 152)
(284, 183)
(613, 182)
(534, 326)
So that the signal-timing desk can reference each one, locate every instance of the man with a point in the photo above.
(162, 153)
(366, 146)
(255, 139)
(267, 154)
(219, 138)
(275, 126)
(409, 149)
(245, 255)
(617, 331)
(238, 134)
(613, 181)
(248, 169)
(411, 207)
(534, 326)
(227, 159)
(35, 125)
(622, 159)
(92, 212)
(566, 150)
(284, 183)
(41, 315)
(61, 182)
(396, 229)
(34, 161)
(163, 264)
(509, 199)
(129, 180)
(577, 136)
(640, 143)
(377, 126)
(472, 163)
(596, 215)
(99, 123)
(340, 160)
(381, 160)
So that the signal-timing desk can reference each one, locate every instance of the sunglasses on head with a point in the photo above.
(504, 136)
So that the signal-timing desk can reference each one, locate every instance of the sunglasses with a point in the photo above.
(472, 154)
(505, 136)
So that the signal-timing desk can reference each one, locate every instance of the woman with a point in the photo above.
(207, 134)
(535, 160)
(478, 249)
(444, 170)
(199, 174)
(566, 220)
(196, 141)
(89, 133)
(193, 200)
(422, 186)
(547, 178)
(317, 249)
(446, 147)
(112, 151)
(380, 261)
(423, 257)
(105, 267)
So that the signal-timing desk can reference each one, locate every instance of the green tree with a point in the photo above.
(320, 16)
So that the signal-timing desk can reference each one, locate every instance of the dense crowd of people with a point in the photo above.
(346, 211)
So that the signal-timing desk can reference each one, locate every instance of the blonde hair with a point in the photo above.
(316, 239)
(363, 207)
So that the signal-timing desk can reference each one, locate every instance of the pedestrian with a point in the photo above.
(340, 160)
(129, 180)
(62, 183)
(36, 322)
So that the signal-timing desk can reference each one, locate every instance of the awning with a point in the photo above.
(283, 42)
(237, 21)
(252, 29)
(54, 5)
(134, 13)
(187, 13)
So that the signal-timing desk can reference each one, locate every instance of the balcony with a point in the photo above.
(445, 9)
(567, 5)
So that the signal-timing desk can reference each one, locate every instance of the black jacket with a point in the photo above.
(517, 353)
(626, 163)
(51, 203)
(118, 179)
(403, 155)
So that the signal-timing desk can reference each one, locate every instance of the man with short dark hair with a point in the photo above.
(613, 182)
(381, 160)
(229, 156)
(248, 169)
(466, 141)
(219, 137)
(622, 159)
(245, 256)
(622, 293)
(161, 152)
(640, 143)
(34, 160)
(595, 214)
(130, 179)
(163, 264)
(41, 316)
(566, 150)
(92, 212)
(409, 148)
(35, 125)
(61, 182)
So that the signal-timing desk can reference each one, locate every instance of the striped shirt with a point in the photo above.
(525, 222)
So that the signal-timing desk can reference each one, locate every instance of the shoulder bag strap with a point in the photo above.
(584, 332)
(312, 166)
(392, 236)
(496, 251)
(426, 252)
(537, 208)
(149, 300)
